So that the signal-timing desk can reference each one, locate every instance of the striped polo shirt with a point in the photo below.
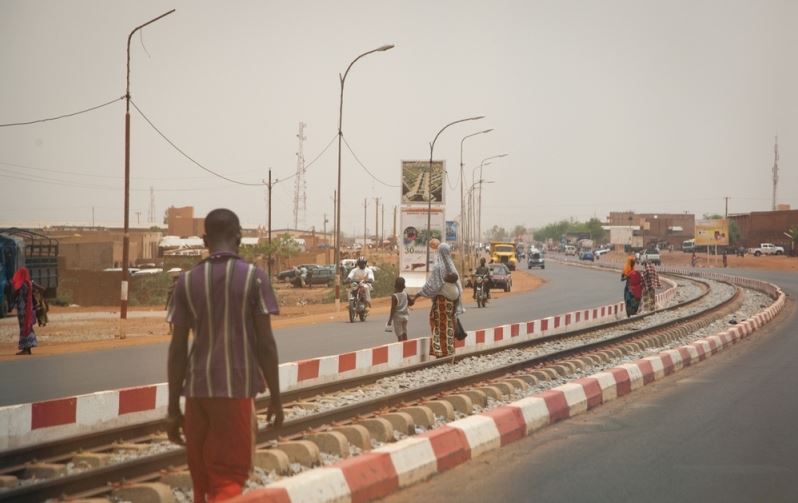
(219, 299)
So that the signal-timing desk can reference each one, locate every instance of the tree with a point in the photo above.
(519, 231)
(793, 233)
(497, 233)
(283, 247)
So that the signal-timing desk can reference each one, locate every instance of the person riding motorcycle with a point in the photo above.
(482, 270)
(362, 274)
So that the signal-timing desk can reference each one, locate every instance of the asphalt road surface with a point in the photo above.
(565, 289)
(723, 430)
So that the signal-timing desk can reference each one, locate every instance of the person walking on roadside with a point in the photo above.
(650, 285)
(227, 302)
(633, 289)
(400, 312)
(444, 288)
(23, 303)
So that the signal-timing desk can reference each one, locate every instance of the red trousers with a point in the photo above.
(220, 440)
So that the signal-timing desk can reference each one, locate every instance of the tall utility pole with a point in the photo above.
(395, 237)
(151, 211)
(126, 235)
(300, 184)
(365, 231)
(775, 172)
(382, 226)
(726, 211)
(376, 218)
(269, 224)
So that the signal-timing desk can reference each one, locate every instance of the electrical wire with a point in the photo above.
(184, 154)
(364, 167)
(62, 116)
(280, 180)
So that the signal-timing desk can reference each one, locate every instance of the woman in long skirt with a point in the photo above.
(23, 289)
(650, 285)
(444, 288)
(633, 288)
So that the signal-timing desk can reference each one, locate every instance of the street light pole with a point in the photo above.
(126, 235)
(462, 201)
(429, 181)
(338, 201)
(481, 164)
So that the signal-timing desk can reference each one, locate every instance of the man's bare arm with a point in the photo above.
(176, 372)
(268, 362)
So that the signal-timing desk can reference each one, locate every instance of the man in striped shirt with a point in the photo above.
(227, 303)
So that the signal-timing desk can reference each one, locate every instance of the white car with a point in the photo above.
(600, 252)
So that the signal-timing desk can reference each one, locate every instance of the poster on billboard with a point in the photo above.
(712, 232)
(414, 182)
(413, 241)
(451, 231)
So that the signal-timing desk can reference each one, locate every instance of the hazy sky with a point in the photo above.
(650, 106)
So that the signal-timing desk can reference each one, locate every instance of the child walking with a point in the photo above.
(400, 313)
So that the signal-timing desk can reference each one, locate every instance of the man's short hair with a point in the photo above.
(221, 224)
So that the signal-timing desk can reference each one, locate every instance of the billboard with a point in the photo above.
(413, 236)
(415, 178)
(712, 232)
(451, 230)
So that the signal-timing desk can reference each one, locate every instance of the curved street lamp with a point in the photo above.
(338, 201)
(429, 180)
(481, 164)
(462, 200)
(126, 234)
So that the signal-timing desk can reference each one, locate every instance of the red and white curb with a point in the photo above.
(384, 470)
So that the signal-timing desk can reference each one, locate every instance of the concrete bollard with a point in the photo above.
(422, 416)
(272, 460)
(304, 452)
(379, 429)
(461, 403)
(331, 442)
(441, 408)
(477, 397)
(401, 421)
(356, 435)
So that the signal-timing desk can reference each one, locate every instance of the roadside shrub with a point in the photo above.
(383, 280)
(150, 290)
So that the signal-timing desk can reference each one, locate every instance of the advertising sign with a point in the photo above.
(451, 230)
(415, 189)
(413, 237)
(712, 232)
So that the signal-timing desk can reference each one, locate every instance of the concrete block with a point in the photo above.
(441, 408)
(505, 387)
(461, 403)
(401, 421)
(561, 370)
(550, 372)
(8, 481)
(91, 459)
(540, 375)
(181, 479)
(151, 492)
(127, 446)
(304, 452)
(356, 435)
(272, 460)
(379, 429)
(516, 383)
(331, 442)
(44, 470)
(491, 392)
(528, 378)
(577, 363)
(477, 397)
(422, 416)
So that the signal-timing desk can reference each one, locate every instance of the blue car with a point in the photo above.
(587, 255)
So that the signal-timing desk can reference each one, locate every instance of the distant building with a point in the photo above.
(97, 248)
(655, 228)
(765, 227)
(181, 222)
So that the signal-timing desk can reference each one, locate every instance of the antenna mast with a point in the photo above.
(775, 171)
(151, 212)
(300, 185)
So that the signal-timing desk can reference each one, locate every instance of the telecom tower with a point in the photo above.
(300, 185)
(775, 171)
(151, 211)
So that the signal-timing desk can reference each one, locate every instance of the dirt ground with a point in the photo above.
(85, 328)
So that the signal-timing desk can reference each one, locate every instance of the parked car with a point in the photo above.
(570, 250)
(500, 277)
(767, 249)
(601, 251)
(587, 255)
(288, 274)
(650, 255)
(536, 260)
(320, 276)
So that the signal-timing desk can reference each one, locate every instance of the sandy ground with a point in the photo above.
(76, 329)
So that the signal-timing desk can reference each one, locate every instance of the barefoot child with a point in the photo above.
(399, 310)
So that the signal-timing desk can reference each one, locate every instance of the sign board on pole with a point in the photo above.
(451, 231)
(714, 232)
(413, 241)
(414, 182)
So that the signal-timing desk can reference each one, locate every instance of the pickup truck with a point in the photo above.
(650, 255)
(767, 249)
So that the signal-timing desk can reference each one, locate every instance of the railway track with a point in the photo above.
(532, 362)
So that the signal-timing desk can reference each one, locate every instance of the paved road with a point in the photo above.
(42, 378)
(723, 430)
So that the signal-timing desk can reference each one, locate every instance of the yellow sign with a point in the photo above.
(712, 232)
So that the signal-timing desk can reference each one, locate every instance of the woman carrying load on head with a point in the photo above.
(444, 288)
(633, 290)
(650, 285)
(23, 290)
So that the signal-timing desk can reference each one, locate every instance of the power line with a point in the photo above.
(62, 116)
(364, 167)
(170, 142)
(280, 180)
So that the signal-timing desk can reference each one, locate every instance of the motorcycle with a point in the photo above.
(481, 290)
(357, 302)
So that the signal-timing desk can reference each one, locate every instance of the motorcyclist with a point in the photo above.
(362, 275)
(482, 270)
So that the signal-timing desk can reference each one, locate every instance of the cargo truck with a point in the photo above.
(37, 252)
(503, 253)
